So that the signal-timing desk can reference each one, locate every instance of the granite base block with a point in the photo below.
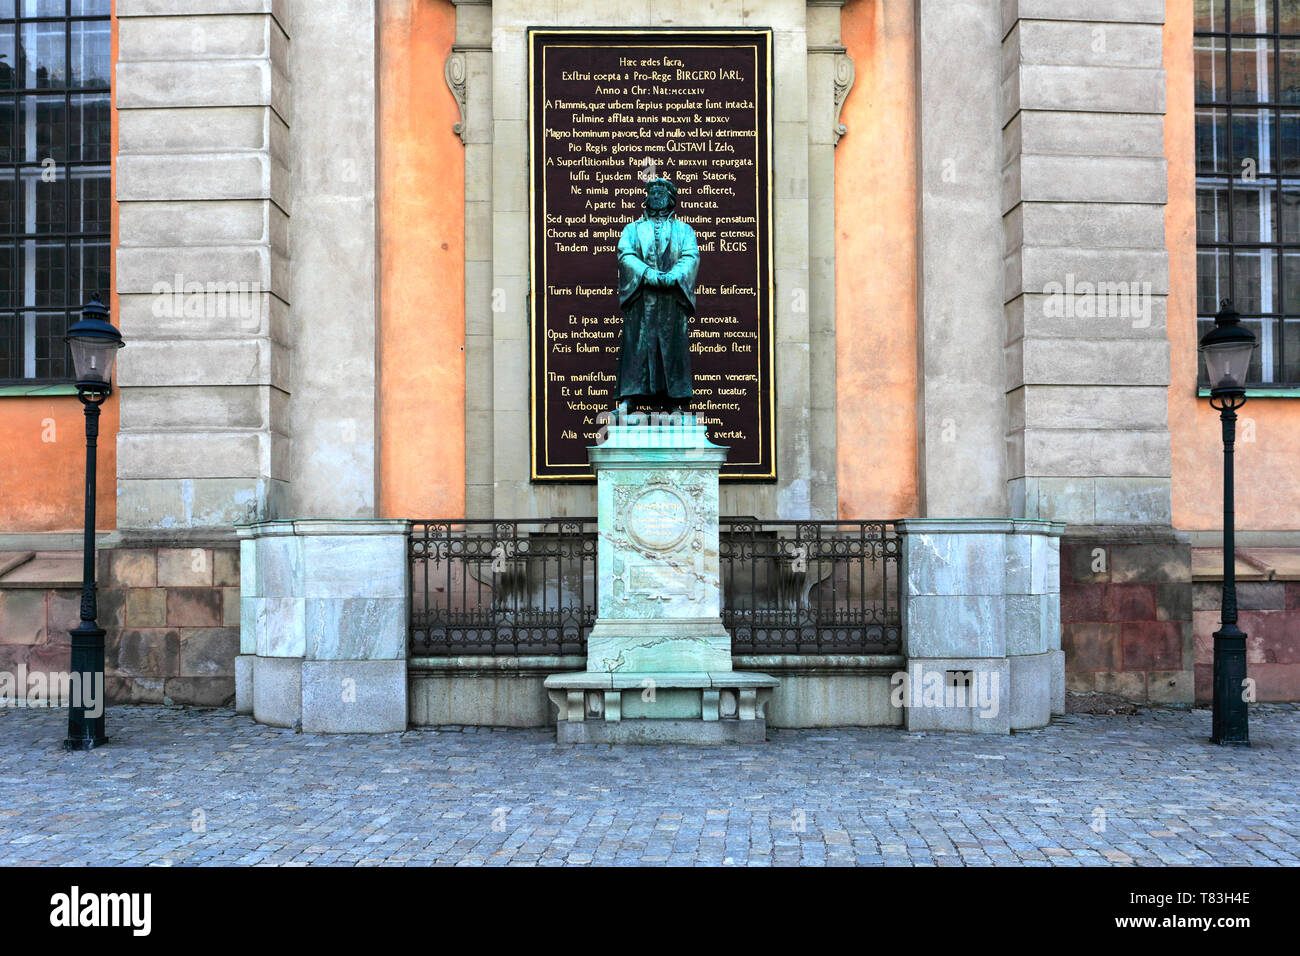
(1030, 701)
(277, 691)
(833, 700)
(649, 731)
(1058, 682)
(482, 699)
(969, 695)
(244, 665)
(354, 697)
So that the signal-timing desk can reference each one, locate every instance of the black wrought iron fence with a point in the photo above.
(502, 587)
(517, 588)
(810, 587)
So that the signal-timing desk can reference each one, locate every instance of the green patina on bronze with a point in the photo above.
(658, 261)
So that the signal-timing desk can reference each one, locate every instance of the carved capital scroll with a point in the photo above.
(455, 73)
(845, 73)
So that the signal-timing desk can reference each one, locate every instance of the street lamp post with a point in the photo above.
(94, 343)
(1227, 349)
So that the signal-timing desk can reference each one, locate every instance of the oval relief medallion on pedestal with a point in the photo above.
(659, 519)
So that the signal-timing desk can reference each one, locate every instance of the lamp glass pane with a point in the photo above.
(93, 359)
(1227, 365)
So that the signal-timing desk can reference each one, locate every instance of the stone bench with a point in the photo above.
(692, 707)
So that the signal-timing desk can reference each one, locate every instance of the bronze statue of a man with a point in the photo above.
(657, 263)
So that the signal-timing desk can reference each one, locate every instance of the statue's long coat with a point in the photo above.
(654, 358)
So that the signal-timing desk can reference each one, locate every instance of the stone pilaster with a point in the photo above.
(959, 348)
(1083, 193)
(830, 77)
(471, 62)
(202, 263)
(334, 242)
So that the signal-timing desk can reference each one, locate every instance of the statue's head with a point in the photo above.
(660, 196)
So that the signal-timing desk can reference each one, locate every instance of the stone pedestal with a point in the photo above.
(982, 624)
(323, 614)
(659, 660)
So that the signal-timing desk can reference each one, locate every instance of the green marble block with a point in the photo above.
(672, 703)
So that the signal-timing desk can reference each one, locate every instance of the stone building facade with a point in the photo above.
(987, 293)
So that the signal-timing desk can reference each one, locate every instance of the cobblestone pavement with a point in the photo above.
(191, 787)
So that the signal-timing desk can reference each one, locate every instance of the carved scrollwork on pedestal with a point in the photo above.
(456, 73)
(845, 73)
(659, 550)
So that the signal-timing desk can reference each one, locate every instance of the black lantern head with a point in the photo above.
(1227, 349)
(94, 342)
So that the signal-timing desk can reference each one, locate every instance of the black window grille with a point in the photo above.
(55, 64)
(1247, 80)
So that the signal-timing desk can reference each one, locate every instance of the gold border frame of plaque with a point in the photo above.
(766, 34)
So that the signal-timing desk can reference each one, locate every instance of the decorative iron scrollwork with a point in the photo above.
(512, 588)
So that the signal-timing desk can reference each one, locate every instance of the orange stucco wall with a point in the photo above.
(43, 468)
(875, 265)
(422, 266)
(1267, 467)
(43, 464)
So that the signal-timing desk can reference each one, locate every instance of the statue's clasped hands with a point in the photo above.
(659, 280)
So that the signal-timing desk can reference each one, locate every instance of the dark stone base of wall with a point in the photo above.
(1269, 613)
(170, 613)
(1126, 613)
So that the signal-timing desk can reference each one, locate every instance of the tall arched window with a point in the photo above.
(55, 62)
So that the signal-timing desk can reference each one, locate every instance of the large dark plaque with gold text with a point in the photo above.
(607, 110)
